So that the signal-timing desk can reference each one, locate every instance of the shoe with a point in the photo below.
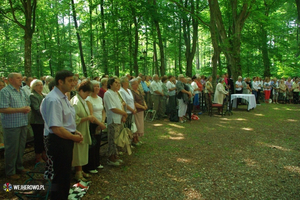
(100, 167)
(109, 162)
(120, 161)
(14, 177)
(182, 121)
(79, 177)
(120, 153)
(132, 146)
(23, 171)
(135, 144)
(93, 171)
(85, 175)
(199, 113)
(140, 142)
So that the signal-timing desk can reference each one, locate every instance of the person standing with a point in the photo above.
(14, 109)
(60, 132)
(156, 96)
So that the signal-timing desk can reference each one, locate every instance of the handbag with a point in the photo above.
(133, 127)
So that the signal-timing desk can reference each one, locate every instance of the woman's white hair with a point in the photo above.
(34, 83)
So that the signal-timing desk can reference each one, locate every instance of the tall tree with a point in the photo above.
(27, 8)
(78, 39)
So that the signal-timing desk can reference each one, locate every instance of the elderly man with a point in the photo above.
(182, 107)
(46, 89)
(60, 131)
(14, 108)
(26, 87)
(156, 96)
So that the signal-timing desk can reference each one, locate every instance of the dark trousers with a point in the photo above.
(256, 96)
(189, 110)
(60, 151)
(239, 100)
(296, 97)
(38, 133)
(94, 150)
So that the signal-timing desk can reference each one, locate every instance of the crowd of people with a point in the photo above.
(68, 114)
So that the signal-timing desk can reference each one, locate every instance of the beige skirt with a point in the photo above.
(139, 121)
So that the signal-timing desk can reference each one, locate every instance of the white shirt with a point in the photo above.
(46, 89)
(97, 104)
(255, 85)
(27, 90)
(267, 84)
(260, 84)
(195, 86)
(239, 84)
(171, 85)
(155, 86)
(112, 100)
(128, 98)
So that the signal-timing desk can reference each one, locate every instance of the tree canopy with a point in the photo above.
(95, 37)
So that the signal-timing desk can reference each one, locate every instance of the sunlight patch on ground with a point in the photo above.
(175, 125)
(174, 178)
(183, 160)
(276, 108)
(294, 169)
(260, 115)
(238, 119)
(157, 125)
(174, 133)
(176, 138)
(191, 193)
(247, 129)
(291, 120)
(274, 146)
(221, 126)
(250, 162)
(241, 119)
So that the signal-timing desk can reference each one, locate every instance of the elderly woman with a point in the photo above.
(141, 106)
(289, 92)
(115, 116)
(48, 79)
(197, 92)
(239, 88)
(220, 93)
(172, 94)
(83, 119)
(129, 100)
(36, 121)
(182, 106)
(95, 105)
(103, 88)
(296, 91)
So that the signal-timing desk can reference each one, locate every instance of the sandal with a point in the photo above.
(79, 177)
(85, 175)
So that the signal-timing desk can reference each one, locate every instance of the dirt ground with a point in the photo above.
(249, 155)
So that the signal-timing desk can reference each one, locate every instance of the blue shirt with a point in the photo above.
(145, 88)
(57, 111)
(11, 97)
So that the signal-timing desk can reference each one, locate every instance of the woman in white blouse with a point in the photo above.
(239, 88)
(115, 116)
(95, 105)
(220, 93)
(128, 98)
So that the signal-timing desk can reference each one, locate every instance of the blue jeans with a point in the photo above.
(14, 143)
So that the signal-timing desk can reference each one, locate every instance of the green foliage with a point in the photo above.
(55, 46)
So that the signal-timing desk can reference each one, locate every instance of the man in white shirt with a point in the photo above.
(156, 95)
(26, 87)
(255, 89)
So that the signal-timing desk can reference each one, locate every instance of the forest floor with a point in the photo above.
(249, 155)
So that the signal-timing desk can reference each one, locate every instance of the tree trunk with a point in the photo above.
(155, 57)
(105, 54)
(79, 40)
(29, 28)
(136, 46)
(298, 23)
(91, 34)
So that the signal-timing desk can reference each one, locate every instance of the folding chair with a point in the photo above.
(212, 105)
(36, 177)
(151, 114)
